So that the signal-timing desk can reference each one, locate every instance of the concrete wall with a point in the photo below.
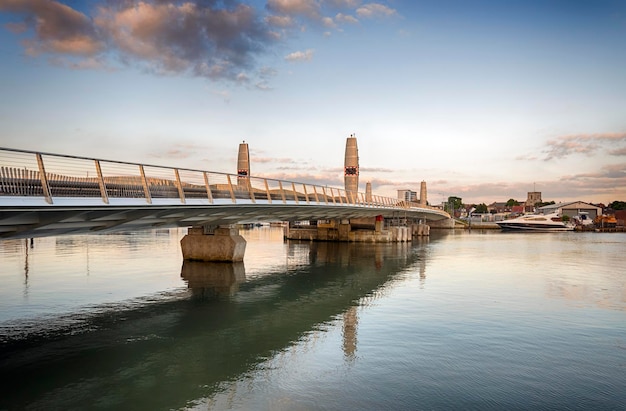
(347, 233)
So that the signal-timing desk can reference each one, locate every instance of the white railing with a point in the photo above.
(53, 176)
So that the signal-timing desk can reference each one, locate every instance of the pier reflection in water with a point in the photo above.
(167, 354)
(207, 280)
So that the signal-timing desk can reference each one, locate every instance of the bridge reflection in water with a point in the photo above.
(167, 355)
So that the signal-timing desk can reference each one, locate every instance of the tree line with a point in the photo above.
(456, 203)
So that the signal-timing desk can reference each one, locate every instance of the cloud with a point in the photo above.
(89, 63)
(296, 56)
(328, 22)
(225, 94)
(16, 28)
(281, 21)
(307, 178)
(164, 37)
(263, 86)
(273, 160)
(608, 172)
(376, 170)
(58, 28)
(344, 4)
(604, 185)
(307, 8)
(608, 183)
(178, 151)
(346, 18)
(588, 144)
(375, 10)
(618, 151)
(195, 38)
(218, 40)
(527, 157)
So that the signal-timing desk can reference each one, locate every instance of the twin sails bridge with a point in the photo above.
(43, 194)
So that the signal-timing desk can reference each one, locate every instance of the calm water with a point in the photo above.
(480, 320)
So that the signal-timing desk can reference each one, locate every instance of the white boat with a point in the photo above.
(536, 222)
(583, 219)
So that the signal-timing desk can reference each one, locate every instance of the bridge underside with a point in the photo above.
(39, 221)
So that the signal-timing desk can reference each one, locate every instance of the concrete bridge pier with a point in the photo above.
(420, 229)
(363, 229)
(210, 243)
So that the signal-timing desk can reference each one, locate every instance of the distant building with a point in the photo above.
(407, 195)
(497, 207)
(620, 216)
(518, 209)
(571, 209)
(533, 198)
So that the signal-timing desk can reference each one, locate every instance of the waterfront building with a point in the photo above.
(571, 209)
(498, 207)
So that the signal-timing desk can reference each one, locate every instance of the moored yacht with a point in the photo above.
(536, 222)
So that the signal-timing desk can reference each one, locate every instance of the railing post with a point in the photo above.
(267, 190)
(317, 199)
(332, 195)
(295, 195)
(144, 181)
(306, 195)
(230, 187)
(179, 185)
(208, 187)
(44, 179)
(282, 192)
(103, 187)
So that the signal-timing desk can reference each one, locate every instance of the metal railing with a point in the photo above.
(52, 176)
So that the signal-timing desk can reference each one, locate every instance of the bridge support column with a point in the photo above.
(220, 244)
(379, 224)
(344, 230)
(420, 229)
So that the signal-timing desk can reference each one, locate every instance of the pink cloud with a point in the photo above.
(564, 146)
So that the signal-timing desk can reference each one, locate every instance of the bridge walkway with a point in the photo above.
(50, 194)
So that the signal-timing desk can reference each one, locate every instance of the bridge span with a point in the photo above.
(44, 194)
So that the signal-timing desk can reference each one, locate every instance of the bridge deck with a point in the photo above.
(46, 194)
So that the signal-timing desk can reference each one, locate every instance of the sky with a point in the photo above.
(483, 100)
